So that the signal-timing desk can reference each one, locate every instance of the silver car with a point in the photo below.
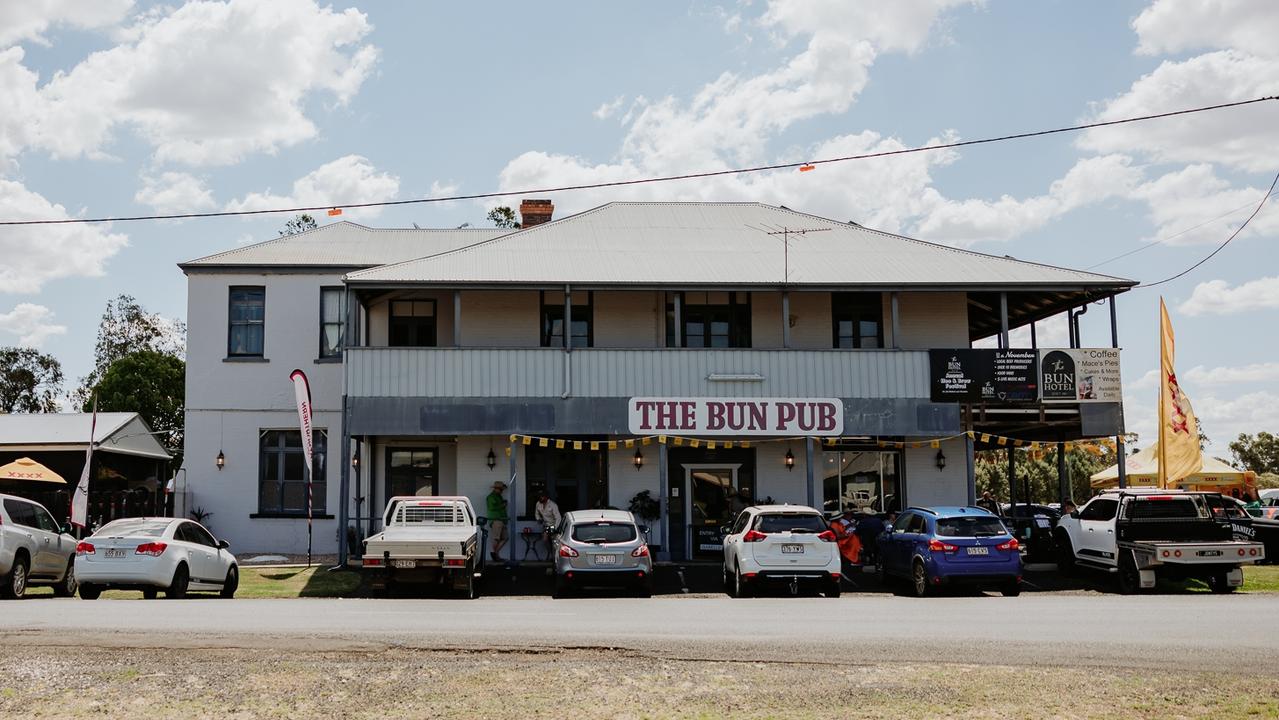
(34, 550)
(602, 547)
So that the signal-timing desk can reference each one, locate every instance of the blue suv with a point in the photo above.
(932, 547)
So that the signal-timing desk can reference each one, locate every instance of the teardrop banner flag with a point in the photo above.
(80, 499)
(1179, 452)
(302, 393)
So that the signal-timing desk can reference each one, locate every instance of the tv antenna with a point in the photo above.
(786, 232)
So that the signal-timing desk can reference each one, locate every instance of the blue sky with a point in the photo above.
(121, 107)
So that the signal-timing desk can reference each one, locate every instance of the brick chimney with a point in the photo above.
(535, 212)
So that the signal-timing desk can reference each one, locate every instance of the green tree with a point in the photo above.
(1258, 453)
(29, 381)
(503, 217)
(300, 223)
(127, 327)
(1040, 469)
(152, 384)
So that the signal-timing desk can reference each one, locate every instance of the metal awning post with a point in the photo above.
(1120, 457)
(970, 457)
(808, 472)
(785, 319)
(1012, 477)
(1063, 474)
(663, 489)
(1003, 320)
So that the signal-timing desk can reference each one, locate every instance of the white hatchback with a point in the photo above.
(154, 554)
(780, 544)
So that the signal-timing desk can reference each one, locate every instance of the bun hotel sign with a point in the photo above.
(736, 416)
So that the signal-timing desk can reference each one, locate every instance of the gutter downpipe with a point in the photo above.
(344, 490)
(1003, 320)
(568, 343)
(1120, 458)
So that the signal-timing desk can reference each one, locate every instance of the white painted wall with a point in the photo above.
(501, 318)
(624, 481)
(629, 319)
(926, 485)
(933, 320)
(773, 479)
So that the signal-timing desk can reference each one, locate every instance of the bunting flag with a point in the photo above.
(80, 500)
(1179, 453)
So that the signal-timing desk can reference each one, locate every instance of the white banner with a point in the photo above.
(80, 499)
(302, 393)
(736, 416)
(1080, 375)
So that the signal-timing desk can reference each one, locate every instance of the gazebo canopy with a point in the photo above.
(28, 470)
(1143, 471)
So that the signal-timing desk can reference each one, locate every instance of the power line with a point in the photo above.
(803, 164)
(1222, 246)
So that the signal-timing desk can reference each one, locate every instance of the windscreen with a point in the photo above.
(604, 532)
(975, 526)
(133, 527)
(790, 522)
(1164, 508)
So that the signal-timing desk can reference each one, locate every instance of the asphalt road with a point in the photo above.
(1193, 631)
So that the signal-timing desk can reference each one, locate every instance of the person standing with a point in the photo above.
(547, 514)
(988, 502)
(497, 515)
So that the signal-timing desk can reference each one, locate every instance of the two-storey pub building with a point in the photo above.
(712, 354)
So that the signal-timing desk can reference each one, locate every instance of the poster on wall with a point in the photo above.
(1080, 375)
(983, 376)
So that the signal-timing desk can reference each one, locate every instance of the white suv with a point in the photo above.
(784, 544)
(33, 550)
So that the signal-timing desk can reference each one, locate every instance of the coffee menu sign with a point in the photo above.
(1025, 375)
(710, 417)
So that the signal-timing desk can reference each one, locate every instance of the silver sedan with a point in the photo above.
(602, 547)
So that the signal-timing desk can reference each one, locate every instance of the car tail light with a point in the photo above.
(753, 536)
(566, 551)
(1252, 551)
(835, 576)
(152, 549)
(455, 562)
(1176, 553)
(641, 551)
(828, 536)
(936, 545)
(84, 548)
(372, 562)
(1240, 552)
(1012, 544)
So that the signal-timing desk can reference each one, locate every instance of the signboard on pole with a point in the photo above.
(994, 377)
(1080, 375)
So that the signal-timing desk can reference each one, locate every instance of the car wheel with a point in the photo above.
(1012, 588)
(740, 587)
(832, 589)
(728, 580)
(15, 585)
(178, 588)
(90, 592)
(561, 589)
(68, 586)
(644, 589)
(1065, 554)
(232, 583)
(1129, 576)
(919, 579)
(150, 594)
(471, 589)
(1219, 583)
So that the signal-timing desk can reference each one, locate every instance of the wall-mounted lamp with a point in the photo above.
(491, 459)
(221, 460)
(941, 460)
(790, 460)
(638, 460)
(355, 459)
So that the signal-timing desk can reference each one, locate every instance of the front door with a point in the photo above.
(710, 502)
(411, 471)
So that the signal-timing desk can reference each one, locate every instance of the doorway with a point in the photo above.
(711, 501)
(411, 471)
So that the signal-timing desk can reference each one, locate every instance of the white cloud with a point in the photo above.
(1052, 332)
(33, 323)
(21, 105)
(1170, 26)
(1183, 200)
(1223, 419)
(174, 192)
(210, 82)
(1254, 373)
(35, 254)
(1218, 297)
(608, 109)
(349, 179)
(29, 19)
(1233, 137)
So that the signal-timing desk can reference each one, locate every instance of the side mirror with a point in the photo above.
(1074, 514)
(643, 529)
(725, 530)
(481, 521)
(66, 529)
(223, 544)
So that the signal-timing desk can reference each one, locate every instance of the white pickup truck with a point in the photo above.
(426, 540)
(1143, 534)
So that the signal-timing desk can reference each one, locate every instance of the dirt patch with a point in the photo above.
(251, 683)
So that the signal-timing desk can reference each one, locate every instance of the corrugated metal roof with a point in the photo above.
(700, 243)
(124, 432)
(346, 244)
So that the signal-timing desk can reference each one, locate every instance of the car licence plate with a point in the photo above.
(114, 553)
(792, 549)
(404, 564)
(605, 559)
(1209, 553)
(978, 551)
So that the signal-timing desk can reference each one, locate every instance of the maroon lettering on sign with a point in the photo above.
(715, 415)
(644, 407)
(688, 415)
(736, 415)
(825, 417)
(759, 415)
(785, 415)
(665, 415)
(807, 413)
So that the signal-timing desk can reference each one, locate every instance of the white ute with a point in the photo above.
(1144, 534)
(426, 540)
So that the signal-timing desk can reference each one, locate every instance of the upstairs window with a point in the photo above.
(412, 323)
(582, 333)
(332, 302)
(858, 320)
(247, 314)
(710, 320)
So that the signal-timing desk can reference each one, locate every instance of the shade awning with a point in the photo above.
(1143, 471)
(26, 469)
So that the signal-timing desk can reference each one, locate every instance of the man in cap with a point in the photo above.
(497, 519)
